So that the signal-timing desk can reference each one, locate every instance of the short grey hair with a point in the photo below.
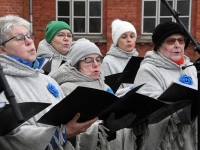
(7, 23)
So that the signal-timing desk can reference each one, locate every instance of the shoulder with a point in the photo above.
(68, 87)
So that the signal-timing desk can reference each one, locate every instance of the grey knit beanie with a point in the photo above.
(81, 48)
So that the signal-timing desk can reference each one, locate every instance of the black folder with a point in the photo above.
(88, 102)
(178, 91)
(132, 67)
(8, 121)
(127, 76)
(92, 103)
(115, 80)
(47, 67)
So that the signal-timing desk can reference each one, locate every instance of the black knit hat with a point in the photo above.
(164, 30)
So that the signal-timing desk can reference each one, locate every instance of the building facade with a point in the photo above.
(92, 19)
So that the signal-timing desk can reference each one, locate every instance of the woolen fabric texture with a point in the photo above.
(164, 30)
(158, 72)
(29, 85)
(81, 48)
(115, 61)
(46, 50)
(119, 27)
(69, 78)
(54, 27)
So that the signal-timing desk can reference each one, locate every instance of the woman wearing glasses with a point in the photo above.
(158, 69)
(84, 70)
(55, 47)
(22, 70)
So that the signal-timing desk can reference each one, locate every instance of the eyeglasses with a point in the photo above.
(171, 41)
(90, 60)
(20, 38)
(62, 35)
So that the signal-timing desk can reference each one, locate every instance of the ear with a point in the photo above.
(2, 50)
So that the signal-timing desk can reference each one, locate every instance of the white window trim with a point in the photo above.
(69, 10)
(72, 16)
(87, 17)
(157, 17)
(95, 16)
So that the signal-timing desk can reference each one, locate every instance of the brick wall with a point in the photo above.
(43, 13)
(129, 10)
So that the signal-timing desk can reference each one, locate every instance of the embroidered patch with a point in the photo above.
(53, 90)
(186, 79)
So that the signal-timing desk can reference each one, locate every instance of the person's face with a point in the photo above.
(19, 47)
(62, 41)
(173, 49)
(127, 41)
(90, 66)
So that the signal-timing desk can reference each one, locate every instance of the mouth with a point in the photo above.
(66, 45)
(176, 52)
(32, 50)
(96, 71)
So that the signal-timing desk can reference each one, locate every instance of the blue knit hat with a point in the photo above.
(54, 27)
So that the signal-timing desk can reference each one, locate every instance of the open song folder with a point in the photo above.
(92, 103)
(8, 121)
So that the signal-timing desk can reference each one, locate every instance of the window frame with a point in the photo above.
(157, 15)
(87, 17)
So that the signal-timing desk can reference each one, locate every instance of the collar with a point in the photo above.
(37, 64)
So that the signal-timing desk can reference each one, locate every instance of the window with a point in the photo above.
(84, 16)
(155, 12)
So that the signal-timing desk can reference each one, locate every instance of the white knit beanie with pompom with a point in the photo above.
(119, 27)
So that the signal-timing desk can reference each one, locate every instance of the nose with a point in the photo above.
(129, 38)
(28, 41)
(177, 44)
(95, 63)
(66, 38)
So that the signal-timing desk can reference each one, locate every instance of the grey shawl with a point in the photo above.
(29, 85)
(158, 72)
(69, 78)
(115, 61)
(46, 50)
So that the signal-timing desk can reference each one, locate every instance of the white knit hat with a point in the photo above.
(119, 27)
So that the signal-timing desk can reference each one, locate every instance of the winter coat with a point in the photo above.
(46, 50)
(114, 62)
(69, 78)
(29, 85)
(158, 72)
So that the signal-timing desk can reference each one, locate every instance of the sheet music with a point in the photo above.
(2, 104)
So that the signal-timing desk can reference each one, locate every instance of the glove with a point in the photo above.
(140, 129)
(117, 124)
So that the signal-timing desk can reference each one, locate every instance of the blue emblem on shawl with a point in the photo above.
(53, 90)
(186, 79)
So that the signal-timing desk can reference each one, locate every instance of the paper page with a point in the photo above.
(190, 86)
(2, 104)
